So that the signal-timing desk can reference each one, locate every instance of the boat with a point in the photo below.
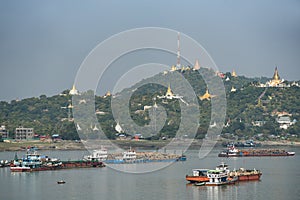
(246, 174)
(4, 163)
(182, 158)
(129, 155)
(61, 182)
(219, 177)
(232, 151)
(33, 161)
(199, 176)
(97, 155)
(199, 183)
(205, 175)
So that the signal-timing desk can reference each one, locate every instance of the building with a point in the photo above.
(22, 133)
(258, 123)
(284, 122)
(3, 132)
(170, 95)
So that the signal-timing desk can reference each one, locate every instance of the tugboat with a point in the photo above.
(33, 161)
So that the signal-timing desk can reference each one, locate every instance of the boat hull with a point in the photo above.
(254, 177)
(20, 169)
(196, 179)
(255, 155)
(64, 165)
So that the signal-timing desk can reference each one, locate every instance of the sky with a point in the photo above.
(43, 43)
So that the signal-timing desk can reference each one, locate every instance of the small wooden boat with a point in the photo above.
(199, 184)
(61, 182)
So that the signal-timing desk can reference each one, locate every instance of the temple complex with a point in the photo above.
(275, 80)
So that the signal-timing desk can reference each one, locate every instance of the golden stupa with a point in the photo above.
(206, 96)
(196, 66)
(275, 80)
(233, 74)
(173, 68)
(169, 93)
(107, 94)
(73, 91)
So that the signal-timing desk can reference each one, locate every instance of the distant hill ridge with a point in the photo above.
(247, 104)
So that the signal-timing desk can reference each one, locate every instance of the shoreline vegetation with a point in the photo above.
(125, 144)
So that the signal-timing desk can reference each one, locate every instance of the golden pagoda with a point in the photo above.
(173, 68)
(233, 74)
(206, 96)
(73, 91)
(169, 93)
(107, 94)
(196, 66)
(275, 80)
(182, 68)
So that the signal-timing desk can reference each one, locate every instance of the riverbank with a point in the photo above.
(125, 144)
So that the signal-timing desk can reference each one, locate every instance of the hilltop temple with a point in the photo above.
(275, 80)
(170, 95)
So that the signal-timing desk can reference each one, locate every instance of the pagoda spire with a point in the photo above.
(169, 92)
(233, 74)
(276, 76)
(196, 66)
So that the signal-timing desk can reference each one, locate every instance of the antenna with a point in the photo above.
(178, 50)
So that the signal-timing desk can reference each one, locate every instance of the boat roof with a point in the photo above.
(200, 169)
(215, 170)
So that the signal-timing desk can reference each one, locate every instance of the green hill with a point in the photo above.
(246, 106)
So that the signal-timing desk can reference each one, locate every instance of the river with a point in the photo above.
(280, 180)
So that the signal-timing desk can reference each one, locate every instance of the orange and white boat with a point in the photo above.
(199, 176)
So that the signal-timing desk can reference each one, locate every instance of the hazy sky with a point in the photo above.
(43, 43)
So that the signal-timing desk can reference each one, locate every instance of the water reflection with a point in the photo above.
(241, 190)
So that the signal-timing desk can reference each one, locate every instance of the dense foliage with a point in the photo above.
(249, 103)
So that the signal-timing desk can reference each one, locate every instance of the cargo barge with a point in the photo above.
(232, 151)
(33, 161)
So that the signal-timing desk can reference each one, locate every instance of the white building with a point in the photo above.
(284, 122)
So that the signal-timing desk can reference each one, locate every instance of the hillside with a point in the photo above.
(246, 106)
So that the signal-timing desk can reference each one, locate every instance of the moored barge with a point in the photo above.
(33, 161)
(232, 151)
